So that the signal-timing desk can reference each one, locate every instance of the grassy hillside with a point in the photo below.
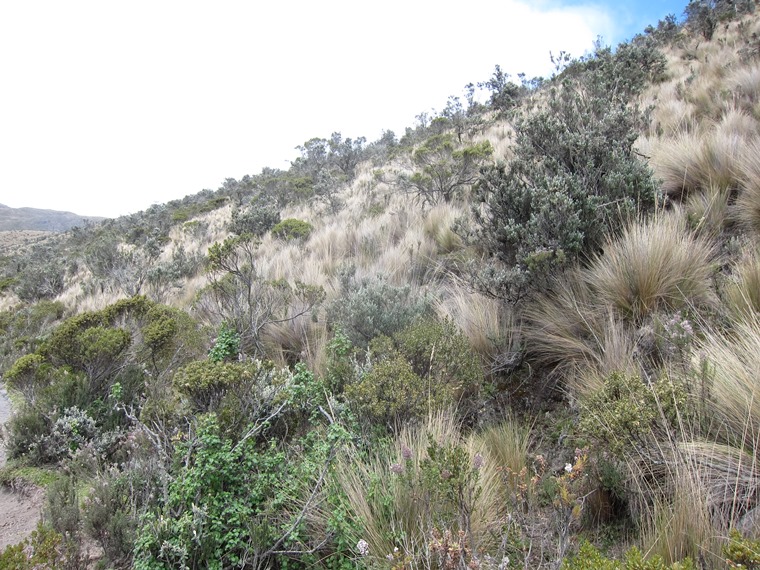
(524, 334)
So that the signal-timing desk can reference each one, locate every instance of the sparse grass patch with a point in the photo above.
(16, 474)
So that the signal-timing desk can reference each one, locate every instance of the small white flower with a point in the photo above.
(362, 547)
(568, 467)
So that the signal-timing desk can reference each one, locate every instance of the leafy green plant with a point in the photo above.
(45, 549)
(292, 229)
(226, 346)
(741, 552)
(589, 558)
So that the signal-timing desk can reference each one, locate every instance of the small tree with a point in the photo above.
(241, 297)
(443, 169)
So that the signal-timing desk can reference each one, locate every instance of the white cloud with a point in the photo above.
(107, 108)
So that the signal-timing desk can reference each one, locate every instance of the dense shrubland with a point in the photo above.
(524, 334)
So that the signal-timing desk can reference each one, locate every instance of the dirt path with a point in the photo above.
(19, 511)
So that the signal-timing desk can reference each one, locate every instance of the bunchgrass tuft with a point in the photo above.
(655, 265)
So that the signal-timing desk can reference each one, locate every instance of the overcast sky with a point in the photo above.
(108, 107)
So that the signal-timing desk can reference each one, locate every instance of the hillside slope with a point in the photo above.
(35, 219)
(522, 326)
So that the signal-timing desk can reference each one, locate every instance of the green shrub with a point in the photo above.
(374, 308)
(226, 346)
(223, 505)
(589, 558)
(443, 169)
(292, 229)
(627, 415)
(574, 177)
(391, 394)
(45, 549)
(112, 507)
(256, 220)
(206, 382)
(439, 352)
(741, 552)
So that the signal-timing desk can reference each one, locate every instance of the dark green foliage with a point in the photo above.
(374, 308)
(292, 229)
(504, 92)
(589, 558)
(666, 31)
(575, 176)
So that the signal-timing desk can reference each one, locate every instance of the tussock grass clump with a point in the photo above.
(742, 292)
(399, 497)
(680, 527)
(733, 371)
(745, 84)
(570, 332)
(676, 163)
(708, 212)
(748, 200)
(654, 265)
(490, 328)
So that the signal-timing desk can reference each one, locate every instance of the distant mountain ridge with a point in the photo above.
(41, 220)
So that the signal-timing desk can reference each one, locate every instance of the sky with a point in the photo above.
(109, 107)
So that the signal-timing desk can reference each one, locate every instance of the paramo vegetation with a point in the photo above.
(525, 334)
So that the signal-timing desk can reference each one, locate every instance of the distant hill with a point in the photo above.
(40, 220)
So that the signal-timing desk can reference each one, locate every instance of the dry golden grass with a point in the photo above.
(680, 526)
(742, 291)
(490, 327)
(708, 211)
(570, 332)
(676, 163)
(734, 369)
(748, 200)
(656, 264)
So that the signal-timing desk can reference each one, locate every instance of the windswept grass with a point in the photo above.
(733, 368)
(657, 264)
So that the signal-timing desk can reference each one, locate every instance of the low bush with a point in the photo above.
(292, 229)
